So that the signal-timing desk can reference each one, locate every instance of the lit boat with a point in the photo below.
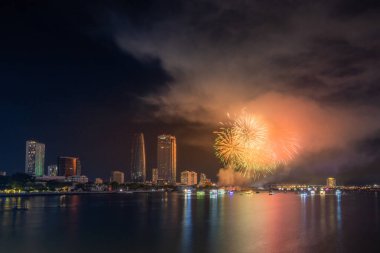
(322, 192)
(312, 192)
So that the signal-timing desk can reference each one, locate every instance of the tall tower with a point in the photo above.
(138, 164)
(34, 158)
(167, 158)
(69, 166)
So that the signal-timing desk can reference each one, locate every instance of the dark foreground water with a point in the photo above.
(172, 222)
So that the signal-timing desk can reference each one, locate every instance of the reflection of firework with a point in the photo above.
(253, 147)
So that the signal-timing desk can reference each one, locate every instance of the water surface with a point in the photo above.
(173, 222)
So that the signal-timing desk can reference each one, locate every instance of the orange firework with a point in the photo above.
(253, 147)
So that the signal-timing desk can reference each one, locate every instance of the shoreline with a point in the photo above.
(32, 194)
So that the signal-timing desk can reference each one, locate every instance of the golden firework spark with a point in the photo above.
(253, 147)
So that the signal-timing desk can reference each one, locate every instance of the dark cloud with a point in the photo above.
(314, 61)
(96, 72)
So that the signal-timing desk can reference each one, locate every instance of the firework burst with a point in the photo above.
(253, 147)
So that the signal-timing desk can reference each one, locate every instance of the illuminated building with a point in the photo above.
(331, 182)
(69, 166)
(167, 158)
(138, 164)
(52, 178)
(3, 173)
(117, 176)
(154, 175)
(34, 158)
(78, 179)
(188, 177)
(202, 179)
(53, 170)
(98, 180)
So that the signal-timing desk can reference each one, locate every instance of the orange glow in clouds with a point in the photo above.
(254, 147)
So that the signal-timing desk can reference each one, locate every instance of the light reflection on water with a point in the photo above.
(174, 222)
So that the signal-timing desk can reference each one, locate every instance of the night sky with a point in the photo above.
(83, 76)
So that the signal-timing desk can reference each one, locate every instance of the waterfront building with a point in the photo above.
(98, 180)
(69, 166)
(117, 176)
(202, 179)
(78, 179)
(167, 158)
(138, 162)
(154, 175)
(3, 173)
(34, 158)
(331, 182)
(188, 177)
(52, 170)
(52, 178)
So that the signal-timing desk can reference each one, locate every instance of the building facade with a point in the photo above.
(167, 158)
(189, 177)
(34, 158)
(69, 166)
(202, 179)
(117, 176)
(331, 182)
(52, 170)
(154, 175)
(138, 162)
(78, 179)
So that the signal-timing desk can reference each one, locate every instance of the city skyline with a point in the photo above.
(92, 75)
(190, 126)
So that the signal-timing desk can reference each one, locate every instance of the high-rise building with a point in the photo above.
(188, 177)
(117, 176)
(167, 158)
(331, 182)
(154, 175)
(69, 166)
(53, 170)
(138, 164)
(202, 179)
(34, 158)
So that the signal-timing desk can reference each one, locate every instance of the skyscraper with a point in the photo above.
(69, 166)
(34, 158)
(167, 158)
(138, 164)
